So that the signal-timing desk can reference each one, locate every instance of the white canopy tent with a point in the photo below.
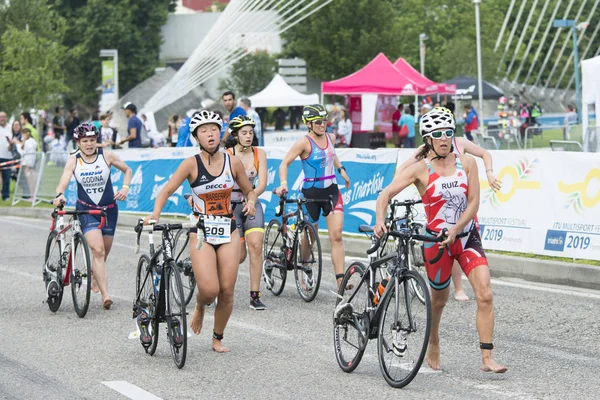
(279, 94)
(590, 94)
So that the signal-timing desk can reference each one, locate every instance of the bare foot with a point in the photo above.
(218, 346)
(492, 366)
(95, 287)
(460, 296)
(197, 319)
(107, 303)
(433, 356)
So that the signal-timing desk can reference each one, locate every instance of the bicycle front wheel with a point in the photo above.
(81, 275)
(52, 272)
(350, 318)
(274, 258)
(146, 301)
(308, 262)
(175, 314)
(181, 249)
(403, 332)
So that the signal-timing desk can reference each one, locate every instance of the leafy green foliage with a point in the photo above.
(250, 75)
(30, 55)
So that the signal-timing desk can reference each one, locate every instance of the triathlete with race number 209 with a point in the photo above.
(317, 153)
(462, 145)
(211, 175)
(91, 167)
(449, 186)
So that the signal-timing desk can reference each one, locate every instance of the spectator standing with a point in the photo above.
(471, 121)
(5, 155)
(105, 138)
(58, 122)
(134, 127)
(27, 121)
(344, 132)
(571, 118)
(246, 104)
(395, 127)
(279, 117)
(184, 138)
(173, 124)
(229, 103)
(28, 148)
(295, 116)
(72, 123)
(408, 120)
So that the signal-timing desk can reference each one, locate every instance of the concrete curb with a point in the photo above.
(545, 271)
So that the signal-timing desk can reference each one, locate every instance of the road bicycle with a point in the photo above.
(367, 309)
(181, 250)
(159, 290)
(67, 259)
(291, 248)
(416, 260)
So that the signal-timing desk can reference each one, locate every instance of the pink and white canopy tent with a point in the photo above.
(425, 86)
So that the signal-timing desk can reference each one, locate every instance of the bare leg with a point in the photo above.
(96, 243)
(227, 259)
(438, 301)
(459, 293)
(254, 241)
(335, 222)
(204, 264)
(480, 280)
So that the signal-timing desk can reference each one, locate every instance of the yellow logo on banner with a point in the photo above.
(579, 193)
(520, 176)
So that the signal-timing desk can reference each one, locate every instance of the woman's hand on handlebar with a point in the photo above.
(380, 229)
(59, 200)
(149, 218)
(281, 189)
(450, 237)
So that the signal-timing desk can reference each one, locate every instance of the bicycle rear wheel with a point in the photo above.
(403, 332)
(175, 314)
(181, 249)
(146, 301)
(351, 323)
(81, 275)
(308, 265)
(52, 272)
(274, 264)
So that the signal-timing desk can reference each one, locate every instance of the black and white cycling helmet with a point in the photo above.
(85, 130)
(434, 120)
(204, 117)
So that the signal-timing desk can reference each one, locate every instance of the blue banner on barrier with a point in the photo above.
(369, 172)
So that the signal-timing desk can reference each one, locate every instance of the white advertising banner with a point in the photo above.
(285, 139)
(548, 204)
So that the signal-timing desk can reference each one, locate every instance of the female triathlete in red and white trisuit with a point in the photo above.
(449, 186)
(461, 145)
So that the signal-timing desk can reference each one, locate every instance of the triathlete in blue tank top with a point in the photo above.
(318, 162)
(90, 166)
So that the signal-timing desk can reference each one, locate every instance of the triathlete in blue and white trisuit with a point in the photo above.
(90, 166)
(319, 162)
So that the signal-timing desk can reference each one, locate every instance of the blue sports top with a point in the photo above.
(318, 167)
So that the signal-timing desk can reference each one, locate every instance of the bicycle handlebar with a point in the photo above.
(284, 200)
(407, 234)
(59, 210)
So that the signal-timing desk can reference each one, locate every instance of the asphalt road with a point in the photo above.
(548, 336)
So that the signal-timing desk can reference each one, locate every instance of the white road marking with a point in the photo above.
(130, 391)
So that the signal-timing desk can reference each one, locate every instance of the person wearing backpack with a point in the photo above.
(135, 127)
(407, 128)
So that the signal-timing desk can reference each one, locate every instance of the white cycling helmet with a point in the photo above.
(204, 117)
(434, 120)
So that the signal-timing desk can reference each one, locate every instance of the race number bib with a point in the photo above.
(217, 229)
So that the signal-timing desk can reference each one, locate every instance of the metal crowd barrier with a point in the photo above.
(565, 145)
(591, 141)
(568, 133)
(38, 182)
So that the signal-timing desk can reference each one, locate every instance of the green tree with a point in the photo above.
(344, 36)
(30, 52)
(133, 27)
(251, 74)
